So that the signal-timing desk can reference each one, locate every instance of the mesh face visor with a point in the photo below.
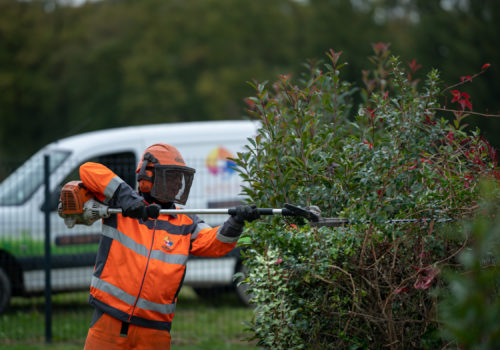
(172, 183)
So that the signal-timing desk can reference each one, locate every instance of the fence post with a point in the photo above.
(48, 285)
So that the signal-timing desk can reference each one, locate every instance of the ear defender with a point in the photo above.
(145, 185)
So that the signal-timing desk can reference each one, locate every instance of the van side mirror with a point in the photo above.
(53, 200)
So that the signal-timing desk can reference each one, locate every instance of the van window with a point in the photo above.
(24, 181)
(122, 164)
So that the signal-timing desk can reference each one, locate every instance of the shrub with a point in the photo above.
(469, 307)
(395, 169)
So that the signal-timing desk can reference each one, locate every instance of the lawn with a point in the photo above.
(198, 324)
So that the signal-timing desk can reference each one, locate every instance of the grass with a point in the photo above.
(25, 245)
(198, 324)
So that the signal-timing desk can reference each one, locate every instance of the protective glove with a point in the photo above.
(233, 227)
(139, 210)
(246, 213)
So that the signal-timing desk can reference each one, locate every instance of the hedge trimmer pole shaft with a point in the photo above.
(231, 211)
(312, 214)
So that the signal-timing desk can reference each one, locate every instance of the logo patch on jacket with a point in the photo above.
(167, 243)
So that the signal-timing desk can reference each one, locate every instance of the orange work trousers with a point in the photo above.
(105, 334)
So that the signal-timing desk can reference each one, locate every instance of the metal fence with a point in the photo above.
(45, 267)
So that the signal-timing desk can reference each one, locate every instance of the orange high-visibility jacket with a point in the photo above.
(140, 266)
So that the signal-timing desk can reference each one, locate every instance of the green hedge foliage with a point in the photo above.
(402, 171)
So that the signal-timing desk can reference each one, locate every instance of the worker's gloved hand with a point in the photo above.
(139, 210)
(153, 211)
(246, 213)
(233, 227)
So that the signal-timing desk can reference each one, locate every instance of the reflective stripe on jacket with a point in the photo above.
(140, 266)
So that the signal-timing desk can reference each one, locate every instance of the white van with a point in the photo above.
(205, 146)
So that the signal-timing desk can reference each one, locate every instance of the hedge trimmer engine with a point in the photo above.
(77, 205)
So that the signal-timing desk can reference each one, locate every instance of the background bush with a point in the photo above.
(398, 171)
(470, 305)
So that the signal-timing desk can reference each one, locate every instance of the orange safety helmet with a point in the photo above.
(163, 173)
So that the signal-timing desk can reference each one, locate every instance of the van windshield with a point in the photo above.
(22, 183)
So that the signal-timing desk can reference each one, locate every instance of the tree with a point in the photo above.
(104, 64)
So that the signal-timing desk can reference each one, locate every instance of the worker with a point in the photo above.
(142, 255)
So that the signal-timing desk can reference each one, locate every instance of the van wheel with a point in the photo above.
(210, 292)
(5, 290)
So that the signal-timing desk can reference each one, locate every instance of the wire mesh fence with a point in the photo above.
(34, 310)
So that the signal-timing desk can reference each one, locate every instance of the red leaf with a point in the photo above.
(456, 95)
(334, 56)
(428, 120)
(467, 180)
(425, 277)
(401, 290)
(451, 136)
(380, 47)
(285, 77)
(414, 66)
(468, 105)
(465, 104)
(372, 112)
(385, 95)
(250, 103)
(466, 77)
(485, 66)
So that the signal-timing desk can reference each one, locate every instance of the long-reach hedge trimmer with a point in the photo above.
(78, 206)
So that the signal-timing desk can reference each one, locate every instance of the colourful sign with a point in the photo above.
(218, 163)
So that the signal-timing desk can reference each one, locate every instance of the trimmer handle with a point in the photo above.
(309, 214)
